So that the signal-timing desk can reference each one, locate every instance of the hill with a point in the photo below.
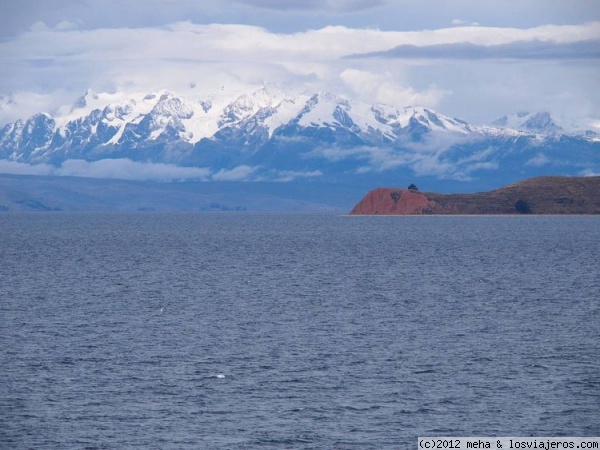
(53, 193)
(542, 195)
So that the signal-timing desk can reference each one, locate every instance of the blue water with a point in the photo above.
(269, 331)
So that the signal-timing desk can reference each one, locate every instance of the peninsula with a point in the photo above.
(543, 195)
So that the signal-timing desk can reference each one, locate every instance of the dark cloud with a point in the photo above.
(534, 50)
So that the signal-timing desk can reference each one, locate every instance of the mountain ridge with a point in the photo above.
(272, 132)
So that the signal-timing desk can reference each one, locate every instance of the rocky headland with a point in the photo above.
(543, 195)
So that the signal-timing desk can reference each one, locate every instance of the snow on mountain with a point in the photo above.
(540, 122)
(284, 113)
(270, 131)
(324, 109)
(117, 119)
(249, 104)
(91, 101)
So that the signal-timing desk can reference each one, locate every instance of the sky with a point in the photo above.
(471, 59)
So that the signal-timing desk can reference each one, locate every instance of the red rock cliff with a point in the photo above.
(393, 202)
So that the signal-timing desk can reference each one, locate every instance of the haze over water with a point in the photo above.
(249, 330)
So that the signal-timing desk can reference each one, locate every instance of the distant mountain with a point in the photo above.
(540, 122)
(271, 135)
(46, 193)
(543, 195)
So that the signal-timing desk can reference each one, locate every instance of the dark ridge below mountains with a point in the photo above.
(52, 193)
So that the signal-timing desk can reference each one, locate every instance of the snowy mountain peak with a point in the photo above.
(540, 122)
(120, 111)
(425, 119)
(267, 127)
(264, 97)
(248, 104)
(170, 106)
(89, 97)
(330, 97)
(324, 108)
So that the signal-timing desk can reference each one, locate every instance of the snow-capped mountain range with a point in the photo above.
(269, 134)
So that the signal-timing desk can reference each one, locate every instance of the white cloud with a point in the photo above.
(538, 160)
(438, 157)
(185, 41)
(462, 23)
(123, 169)
(24, 103)
(64, 60)
(239, 173)
(126, 169)
(595, 124)
(589, 173)
(17, 168)
(383, 88)
(294, 15)
(284, 176)
(67, 25)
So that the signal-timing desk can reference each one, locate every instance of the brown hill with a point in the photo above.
(544, 195)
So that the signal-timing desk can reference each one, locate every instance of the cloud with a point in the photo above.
(126, 169)
(378, 159)
(534, 50)
(238, 173)
(123, 169)
(206, 56)
(315, 5)
(49, 66)
(538, 160)
(130, 170)
(17, 168)
(20, 105)
(594, 124)
(440, 158)
(589, 173)
(460, 22)
(381, 87)
(15, 17)
(284, 176)
(106, 49)
(143, 59)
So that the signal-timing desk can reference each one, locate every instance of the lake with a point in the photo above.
(269, 331)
